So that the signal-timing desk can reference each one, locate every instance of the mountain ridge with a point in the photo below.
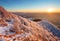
(17, 28)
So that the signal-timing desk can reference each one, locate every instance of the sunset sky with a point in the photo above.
(31, 5)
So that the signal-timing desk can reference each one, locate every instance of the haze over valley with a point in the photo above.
(53, 17)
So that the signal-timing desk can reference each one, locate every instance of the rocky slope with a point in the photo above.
(17, 28)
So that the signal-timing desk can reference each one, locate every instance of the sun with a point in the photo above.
(50, 10)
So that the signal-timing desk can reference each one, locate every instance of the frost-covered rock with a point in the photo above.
(17, 28)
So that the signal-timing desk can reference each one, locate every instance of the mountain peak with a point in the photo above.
(2, 11)
(1, 8)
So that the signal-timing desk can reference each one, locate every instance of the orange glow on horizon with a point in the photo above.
(47, 10)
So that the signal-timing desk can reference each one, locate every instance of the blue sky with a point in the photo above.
(29, 4)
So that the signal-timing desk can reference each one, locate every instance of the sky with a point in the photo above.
(31, 5)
